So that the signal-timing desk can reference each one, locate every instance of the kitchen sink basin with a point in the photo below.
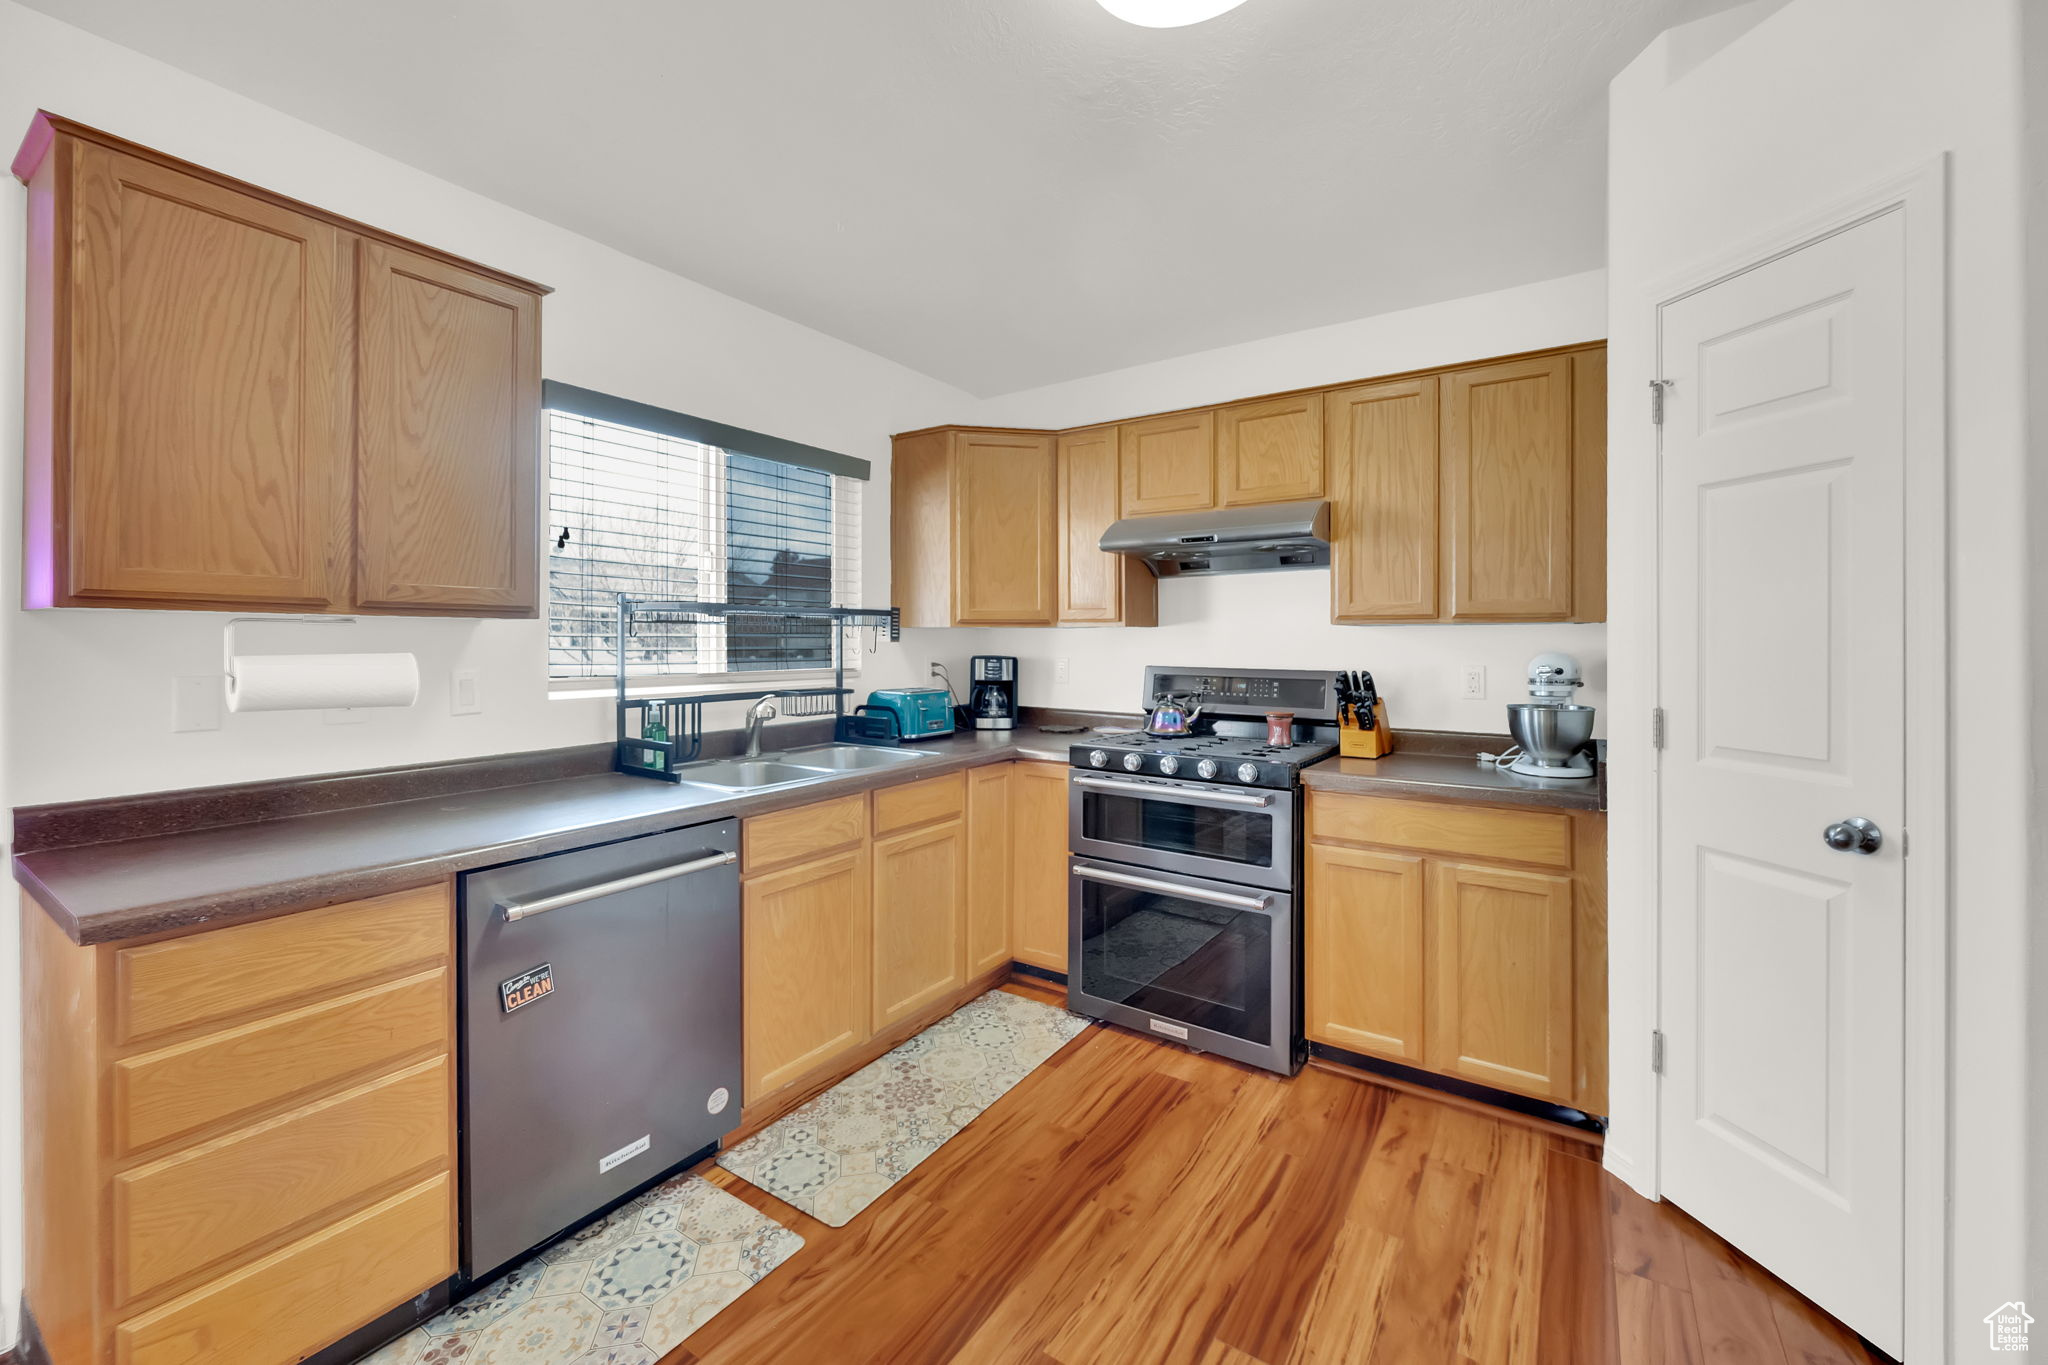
(845, 758)
(749, 774)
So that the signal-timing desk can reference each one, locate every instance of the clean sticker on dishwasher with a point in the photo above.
(625, 1153)
(527, 987)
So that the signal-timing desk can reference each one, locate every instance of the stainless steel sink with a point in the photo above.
(844, 758)
(749, 774)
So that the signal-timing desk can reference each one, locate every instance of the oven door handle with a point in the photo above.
(1193, 893)
(1198, 795)
(514, 911)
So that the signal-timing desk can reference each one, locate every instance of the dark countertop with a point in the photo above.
(1445, 776)
(132, 885)
(131, 888)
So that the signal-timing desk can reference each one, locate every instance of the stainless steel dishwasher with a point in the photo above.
(601, 1029)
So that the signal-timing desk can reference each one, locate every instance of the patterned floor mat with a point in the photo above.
(624, 1291)
(836, 1154)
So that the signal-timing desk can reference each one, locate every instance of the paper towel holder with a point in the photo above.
(227, 635)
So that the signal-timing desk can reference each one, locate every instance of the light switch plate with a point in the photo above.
(196, 702)
(465, 693)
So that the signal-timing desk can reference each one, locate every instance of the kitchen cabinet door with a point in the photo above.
(189, 446)
(1168, 464)
(920, 898)
(1364, 951)
(988, 868)
(1500, 977)
(1038, 878)
(1097, 588)
(1270, 451)
(1005, 538)
(1508, 490)
(805, 976)
(1383, 491)
(448, 439)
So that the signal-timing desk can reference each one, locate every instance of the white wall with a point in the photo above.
(1283, 619)
(1817, 102)
(88, 693)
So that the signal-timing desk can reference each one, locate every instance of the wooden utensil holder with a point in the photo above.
(1355, 741)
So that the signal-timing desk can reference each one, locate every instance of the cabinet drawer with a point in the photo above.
(222, 973)
(793, 836)
(190, 1210)
(1515, 836)
(297, 1300)
(177, 1090)
(920, 803)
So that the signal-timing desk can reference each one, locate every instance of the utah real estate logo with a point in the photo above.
(2008, 1326)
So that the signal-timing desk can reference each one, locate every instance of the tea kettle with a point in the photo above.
(1171, 717)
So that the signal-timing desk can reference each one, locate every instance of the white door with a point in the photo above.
(1781, 659)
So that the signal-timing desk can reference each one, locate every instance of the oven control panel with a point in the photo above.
(1310, 696)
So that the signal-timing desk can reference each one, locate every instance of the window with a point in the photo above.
(656, 515)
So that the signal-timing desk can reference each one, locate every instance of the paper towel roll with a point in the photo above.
(315, 682)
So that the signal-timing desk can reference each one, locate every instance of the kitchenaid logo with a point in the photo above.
(2008, 1325)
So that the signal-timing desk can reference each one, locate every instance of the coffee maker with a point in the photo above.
(992, 697)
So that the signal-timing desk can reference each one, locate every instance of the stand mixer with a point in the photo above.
(1550, 730)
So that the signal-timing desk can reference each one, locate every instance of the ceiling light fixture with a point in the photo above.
(1167, 13)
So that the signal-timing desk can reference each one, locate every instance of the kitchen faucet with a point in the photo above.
(760, 711)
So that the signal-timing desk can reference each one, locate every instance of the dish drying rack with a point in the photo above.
(678, 721)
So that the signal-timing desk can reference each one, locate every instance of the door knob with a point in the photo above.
(1854, 835)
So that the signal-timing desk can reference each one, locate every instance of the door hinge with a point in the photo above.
(1657, 387)
(1656, 727)
(1657, 1051)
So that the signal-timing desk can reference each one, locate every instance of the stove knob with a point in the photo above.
(1133, 762)
(1097, 759)
(1169, 765)
(1247, 772)
(1206, 768)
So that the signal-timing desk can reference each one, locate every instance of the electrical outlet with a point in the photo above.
(1475, 682)
(1062, 670)
(465, 695)
(196, 701)
(934, 669)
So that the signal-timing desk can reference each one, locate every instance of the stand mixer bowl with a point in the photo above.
(1549, 732)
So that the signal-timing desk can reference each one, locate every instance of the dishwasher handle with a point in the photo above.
(514, 911)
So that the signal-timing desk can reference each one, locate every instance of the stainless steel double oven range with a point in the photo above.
(1184, 888)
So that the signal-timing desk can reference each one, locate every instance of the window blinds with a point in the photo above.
(658, 516)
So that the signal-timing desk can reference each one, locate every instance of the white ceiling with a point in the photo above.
(1000, 193)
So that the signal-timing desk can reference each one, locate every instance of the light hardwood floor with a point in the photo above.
(1133, 1203)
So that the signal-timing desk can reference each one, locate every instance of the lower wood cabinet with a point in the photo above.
(1364, 980)
(988, 868)
(1466, 940)
(243, 1144)
(863, 911)
(804, 953)
(920, 903)
(1038, 912)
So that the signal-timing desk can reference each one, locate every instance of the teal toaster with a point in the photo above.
(921, 712)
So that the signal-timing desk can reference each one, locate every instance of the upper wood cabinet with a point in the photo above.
(1507, 488)
(1097, 588)
(236, 401)
(1470, 494)
(448, 378)
(973, 524)
(1168, 463)
(1270, 451)
(1383, 485)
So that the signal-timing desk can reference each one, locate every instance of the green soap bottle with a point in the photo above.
(652, 729)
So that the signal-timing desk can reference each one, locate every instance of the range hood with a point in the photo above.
(1274, 535)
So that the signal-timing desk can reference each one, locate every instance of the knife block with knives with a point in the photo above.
(1363, 731)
